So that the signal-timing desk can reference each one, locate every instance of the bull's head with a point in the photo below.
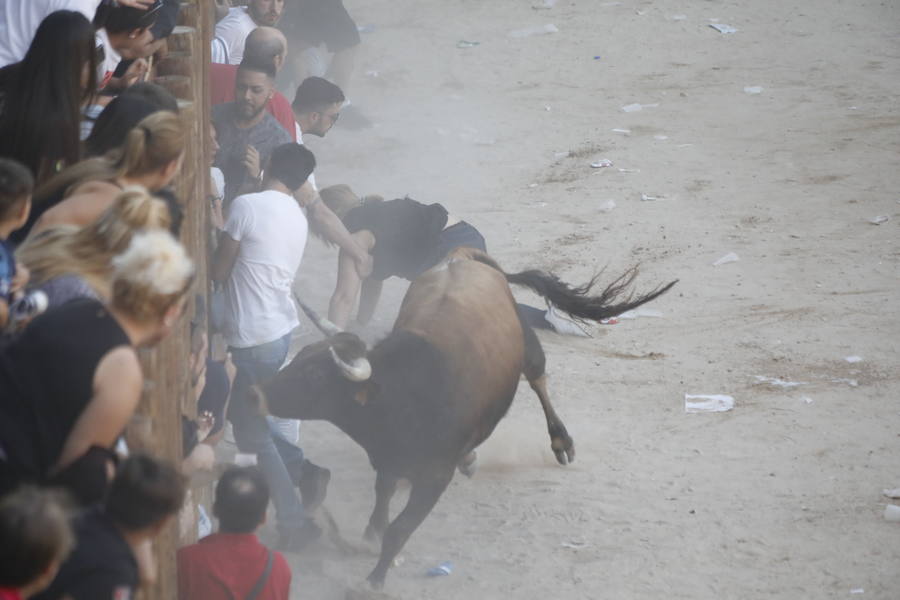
(323, 380)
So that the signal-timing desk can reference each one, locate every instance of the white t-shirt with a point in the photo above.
(272, 230)
(110, 62)
(19, 20)
(231, 35)
(312, 176)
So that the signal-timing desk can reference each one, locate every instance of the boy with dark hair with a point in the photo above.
(36, 538)
(233, 563)
(125, 33)
(144, 495)
(16, 185)
(317, 105)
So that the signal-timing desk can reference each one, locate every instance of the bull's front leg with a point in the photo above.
(423, 496)
(560, 441)
(385, 486)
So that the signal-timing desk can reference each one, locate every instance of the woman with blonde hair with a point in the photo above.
(69, 262)
(71, 381)
(150, 157)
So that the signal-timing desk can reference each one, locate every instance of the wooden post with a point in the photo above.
(167, 393)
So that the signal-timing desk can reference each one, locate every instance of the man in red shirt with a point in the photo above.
(264, 45)
(233, 564)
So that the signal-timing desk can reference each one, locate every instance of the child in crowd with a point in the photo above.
(16, 184)
(36, 538)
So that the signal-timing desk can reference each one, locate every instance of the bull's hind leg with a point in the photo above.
(423, 496)
(535, 363)
(385, 486)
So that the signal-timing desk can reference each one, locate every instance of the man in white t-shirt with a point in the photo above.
(232, 31)
(258, 255)
(19, 20)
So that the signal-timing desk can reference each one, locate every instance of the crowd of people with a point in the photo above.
(92, 270)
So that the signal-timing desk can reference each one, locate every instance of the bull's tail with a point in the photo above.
(578, 302)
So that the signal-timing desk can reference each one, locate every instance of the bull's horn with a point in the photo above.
(359, 370)
(324, 325)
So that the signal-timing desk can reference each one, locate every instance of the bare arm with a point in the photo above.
(368, 299)
(117, 391)
(349, 282)
(226, 254)
(332, 228)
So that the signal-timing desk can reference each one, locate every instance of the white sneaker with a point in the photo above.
(563, 325)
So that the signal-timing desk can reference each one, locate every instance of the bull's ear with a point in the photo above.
(365, 392)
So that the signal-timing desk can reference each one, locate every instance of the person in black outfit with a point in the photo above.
(71, 381)
(145, 494)
(405, 239)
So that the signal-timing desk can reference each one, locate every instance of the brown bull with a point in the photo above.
(425, 397)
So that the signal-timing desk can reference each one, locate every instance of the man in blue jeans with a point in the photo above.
(258, 255)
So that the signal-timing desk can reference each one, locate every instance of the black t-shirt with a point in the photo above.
(405, 232)
(102, 566)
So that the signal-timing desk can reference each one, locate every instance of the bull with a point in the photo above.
(424, 398)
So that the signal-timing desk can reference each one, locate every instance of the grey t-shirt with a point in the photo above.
(267, 135)
(63, 288)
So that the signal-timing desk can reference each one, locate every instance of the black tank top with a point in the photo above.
(46, 381)
(405, 231)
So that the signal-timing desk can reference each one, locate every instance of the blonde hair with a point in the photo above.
(341, 199)
(151, 275)
(88, 251)
(152, 144)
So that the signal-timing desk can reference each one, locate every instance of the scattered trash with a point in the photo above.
(245, 460)
(632, 107)
(707, 403)
(778, 382)
(609, 321)
(853, 359)
(365, 28)
(611, 4)
(537, 30)
(857, 591)
(879, 219)
(399, 561)
(894, 493)
(547, 108)
(678, 17)
(728, 258)
(372, 74)
(892, 513)
(646, 198)
(466, 44)
(445, 568)
(596, 58)
(607, 206)
(807, 399)
(561, 154)
(642, 312)
(623, 131)
(753, 89)
(629, 170)
(532, 185)
(603, 162)
(544, 5)
(850, 382)
(574, 544)
(660, 137)
(722, 28)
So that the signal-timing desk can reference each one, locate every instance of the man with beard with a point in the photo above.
(247, 132)
(232, 31)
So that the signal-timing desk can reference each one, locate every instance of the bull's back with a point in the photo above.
(466, 310)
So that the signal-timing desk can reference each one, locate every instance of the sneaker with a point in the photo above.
(563, 325)
(313, 485)
(299, 539)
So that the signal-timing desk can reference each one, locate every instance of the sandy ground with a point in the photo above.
(780, 497)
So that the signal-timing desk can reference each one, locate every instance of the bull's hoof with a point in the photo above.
(376, 581)
(564, 449)
(469, 464)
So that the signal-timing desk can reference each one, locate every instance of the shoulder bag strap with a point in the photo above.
(261, 583)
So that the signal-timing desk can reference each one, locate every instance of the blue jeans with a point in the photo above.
(279, 460)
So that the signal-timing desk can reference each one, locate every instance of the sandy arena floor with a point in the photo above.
(780, 497)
